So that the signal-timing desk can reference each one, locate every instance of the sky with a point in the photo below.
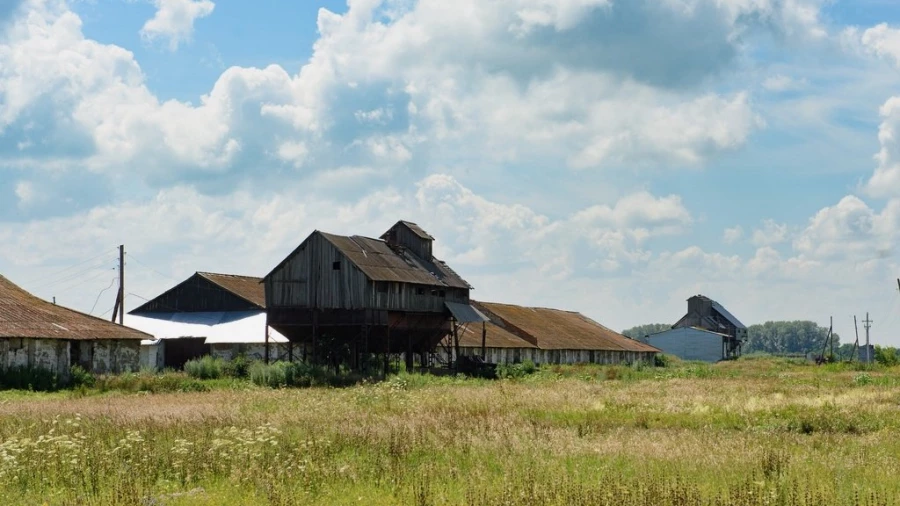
(610, 157)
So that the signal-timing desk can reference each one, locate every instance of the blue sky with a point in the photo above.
(603, 156)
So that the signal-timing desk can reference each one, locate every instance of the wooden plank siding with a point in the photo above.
(318, 275)
(309, 279)
(405, 236)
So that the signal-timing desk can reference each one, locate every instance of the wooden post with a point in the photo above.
(121, 284)
(267, 337)
(315, 331)
(409, 352)
(456, 340)
(387, 350)
(483, 339)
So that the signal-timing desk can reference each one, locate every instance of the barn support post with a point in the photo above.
(483, 339)
(290, 351)
(387, 351)
(267, 338)
(409, 353)
(456, 341)
(315, 331)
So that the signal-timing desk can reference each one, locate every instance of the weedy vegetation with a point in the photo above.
(754, 432)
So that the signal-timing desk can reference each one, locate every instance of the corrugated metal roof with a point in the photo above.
(728, 316)
(23, 315)
(497, 337)
(465, 313)
(249, 288)
(561, 330)
(417, 230)
(380, 262)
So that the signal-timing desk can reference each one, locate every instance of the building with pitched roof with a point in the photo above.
(223, 315)
(39, 334)
(546, 336)
(345, 297)
(707, 332)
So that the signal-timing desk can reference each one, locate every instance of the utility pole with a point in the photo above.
(120, 296)
(868, 325)
(855, 343)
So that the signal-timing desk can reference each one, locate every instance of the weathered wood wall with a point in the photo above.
(404, 236)
(309, 279)
(194, 295)
(538, 356)
(319, 276)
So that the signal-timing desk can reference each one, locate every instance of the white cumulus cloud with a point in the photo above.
(174, 20)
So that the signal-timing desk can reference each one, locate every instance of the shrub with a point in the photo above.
(30, 378)
(886, 355)
(298, 374)
(237, 367)
(206, 367)
(662, 360)
(81, 377)
(512, 371)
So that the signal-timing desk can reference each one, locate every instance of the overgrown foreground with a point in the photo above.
(745, 433)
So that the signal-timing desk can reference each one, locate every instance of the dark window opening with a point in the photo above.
(336, 266)
(420, 291)
(442, 293)
(381, 287)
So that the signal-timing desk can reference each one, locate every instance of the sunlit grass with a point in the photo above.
(754, 432)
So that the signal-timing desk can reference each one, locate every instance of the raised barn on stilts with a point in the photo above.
(345, 299)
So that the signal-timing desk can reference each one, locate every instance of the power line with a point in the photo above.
(57, 273)
(82, 281)
(101, 293)
(142, 264)
(72, 276)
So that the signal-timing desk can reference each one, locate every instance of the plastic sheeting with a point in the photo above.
(220, 327)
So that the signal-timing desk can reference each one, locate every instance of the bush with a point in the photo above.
(206, 367)
(513, 371)
(237, 367)
(662, 360)
(30, 378)
(82, 377)
(297, 374)
(886, 355)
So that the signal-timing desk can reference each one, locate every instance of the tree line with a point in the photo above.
(781, 337)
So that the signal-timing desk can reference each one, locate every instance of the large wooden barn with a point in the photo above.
(346, 297)
(35, 333)
(222, 315)
(546, 336)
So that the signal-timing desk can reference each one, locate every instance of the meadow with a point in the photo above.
(748, 432)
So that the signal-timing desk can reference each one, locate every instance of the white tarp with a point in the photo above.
(219, 327)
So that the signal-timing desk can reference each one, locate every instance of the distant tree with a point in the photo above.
(788, 337)
(642, 330)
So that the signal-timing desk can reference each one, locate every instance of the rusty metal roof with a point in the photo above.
(496, 337)
(249, 288)
(381, 262)
(554, 329)
(419, 231)
(23, 315)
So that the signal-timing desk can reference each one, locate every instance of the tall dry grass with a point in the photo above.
(744, 433)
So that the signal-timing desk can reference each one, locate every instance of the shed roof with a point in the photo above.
(556, 329)
(22, 315)
(419, 231)
(249, 288)
(382, 262)
(218, 327)
(496, 337)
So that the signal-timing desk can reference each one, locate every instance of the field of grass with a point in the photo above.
(750, 432)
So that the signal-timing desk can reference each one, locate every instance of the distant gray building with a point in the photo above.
(691, 343)
(707, 332)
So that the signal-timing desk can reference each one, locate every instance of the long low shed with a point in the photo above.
(514, 334)
(691, 343)
(35, 333)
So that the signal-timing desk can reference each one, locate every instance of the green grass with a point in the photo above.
(747, 433)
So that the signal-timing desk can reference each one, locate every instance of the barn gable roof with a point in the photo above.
(554, 329)
(22, 315)
(246, 288)
(380, 261)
